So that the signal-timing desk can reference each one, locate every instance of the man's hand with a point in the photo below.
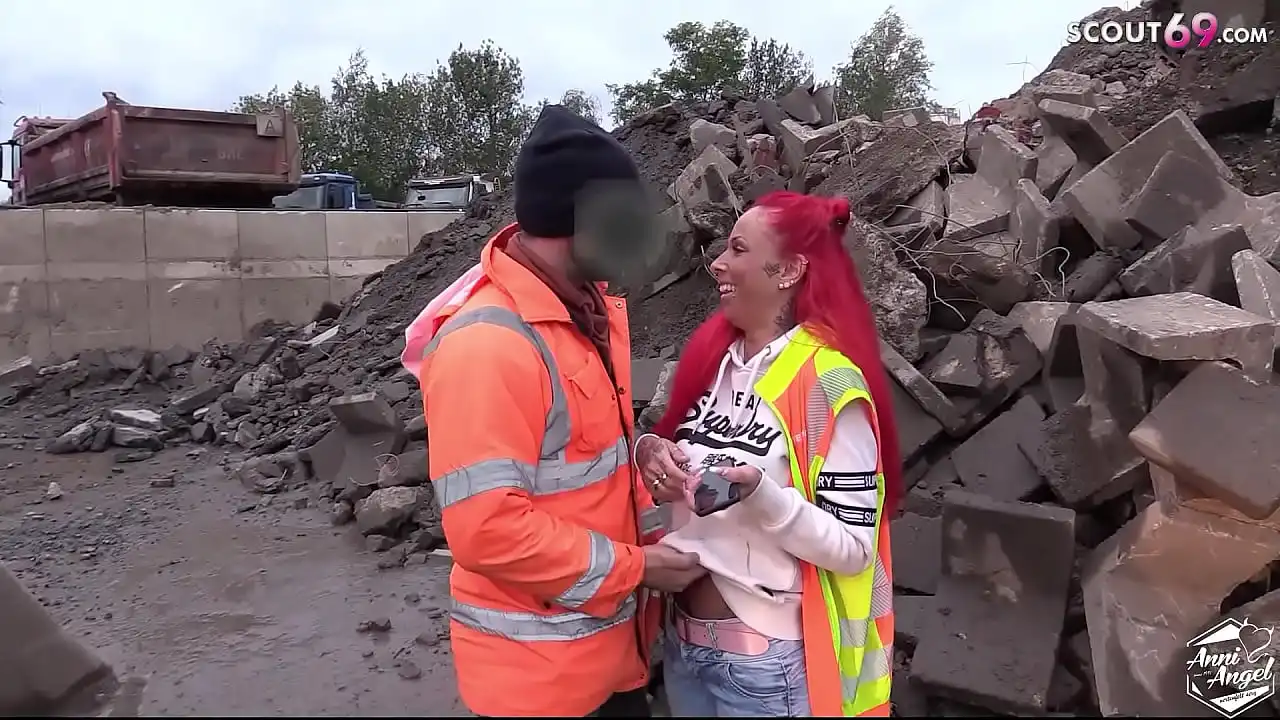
(662, 466)
(669, 570)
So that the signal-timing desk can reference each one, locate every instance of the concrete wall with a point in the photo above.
(75, 279)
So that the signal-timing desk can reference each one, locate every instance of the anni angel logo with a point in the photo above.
(1232, 666)
(1254, 640)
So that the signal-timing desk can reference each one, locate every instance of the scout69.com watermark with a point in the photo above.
(1179, 33)
(1231, 666)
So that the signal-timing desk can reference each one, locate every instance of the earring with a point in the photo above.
(785, 285)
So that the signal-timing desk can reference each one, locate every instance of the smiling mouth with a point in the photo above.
(726, 290)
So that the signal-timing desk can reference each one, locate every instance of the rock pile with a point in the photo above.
(1077, 293)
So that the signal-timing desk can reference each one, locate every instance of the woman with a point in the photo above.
(782, 393)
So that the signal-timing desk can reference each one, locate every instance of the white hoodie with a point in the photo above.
(751, 548)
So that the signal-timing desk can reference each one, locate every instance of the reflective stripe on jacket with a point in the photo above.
(530, 465)
(847, 619)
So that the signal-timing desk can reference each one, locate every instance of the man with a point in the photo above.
(527, 390)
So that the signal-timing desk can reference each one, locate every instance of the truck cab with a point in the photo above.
(450, 193)
(325, 191)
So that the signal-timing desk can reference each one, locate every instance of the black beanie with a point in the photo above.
(564, 154)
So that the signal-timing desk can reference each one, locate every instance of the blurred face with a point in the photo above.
(754, 275)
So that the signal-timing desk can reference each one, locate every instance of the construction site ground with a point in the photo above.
(221, 600)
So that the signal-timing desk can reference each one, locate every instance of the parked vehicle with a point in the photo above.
(326, 191)
(455, 192)
(137, 155)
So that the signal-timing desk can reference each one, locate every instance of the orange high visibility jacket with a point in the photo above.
(541, 509)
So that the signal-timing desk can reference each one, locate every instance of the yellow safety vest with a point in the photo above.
(847, 619)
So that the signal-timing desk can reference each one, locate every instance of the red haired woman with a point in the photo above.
(782, 393)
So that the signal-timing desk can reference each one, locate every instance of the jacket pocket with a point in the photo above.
(593, 409)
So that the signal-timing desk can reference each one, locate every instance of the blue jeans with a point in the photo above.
(704, 682)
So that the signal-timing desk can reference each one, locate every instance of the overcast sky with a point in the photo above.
(206, 53)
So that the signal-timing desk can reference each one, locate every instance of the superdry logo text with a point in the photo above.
(715, 431)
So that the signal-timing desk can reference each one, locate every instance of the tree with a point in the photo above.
(371, 128)
(887, 69)
(582, 103)
(707, 60)
(579, 101)
(475, 113)
(466, 117)
(773, 69)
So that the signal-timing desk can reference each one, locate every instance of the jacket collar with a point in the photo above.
(534, 301)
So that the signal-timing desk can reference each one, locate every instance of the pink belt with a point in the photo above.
(731, 635)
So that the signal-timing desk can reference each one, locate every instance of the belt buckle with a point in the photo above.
(711, 635)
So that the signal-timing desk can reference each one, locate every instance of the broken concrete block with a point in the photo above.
(1033, 223)
(1086, 131)
(193, 400)
(1192, 260)
(762, 152)
(1091, 276)
(928, 206)
(917, 429)
(44, 671)
(1006, 361)
(17, 372)
(772, 115)
(658, 400)
(1097, 198)
(1184, 326)
(703, 134)
(1142, 605)
(1180, 192)
(957, 368)
(974, 209)
(824, 100)
(917, 552)
(1117, 383)
(1258, 285)
(1245, 415)
(137, 418)
(906, 117)
(1082, 95)
(799, 104)
(1006, 571)
(991, 461)
(1063, 372)
(386, 509)
(987, 268)
(925, 393)
(898, 297)
(1005, 162)
(912, 614)
(365, 413)
(1054, 161)
(1039, 320)
(1082, 469)
(801, 141)
(705, 180)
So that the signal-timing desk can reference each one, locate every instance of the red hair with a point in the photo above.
(829, 303)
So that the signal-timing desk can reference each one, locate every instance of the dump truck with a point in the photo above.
(137, 155)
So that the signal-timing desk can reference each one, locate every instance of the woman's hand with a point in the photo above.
(746, 477)
(662, 466)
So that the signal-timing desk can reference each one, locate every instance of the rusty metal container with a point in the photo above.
(137, 155)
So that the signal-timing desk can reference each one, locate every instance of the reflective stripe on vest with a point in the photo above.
(859, 608)
(552, 474)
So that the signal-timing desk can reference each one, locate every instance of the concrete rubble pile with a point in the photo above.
(1077, 295)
